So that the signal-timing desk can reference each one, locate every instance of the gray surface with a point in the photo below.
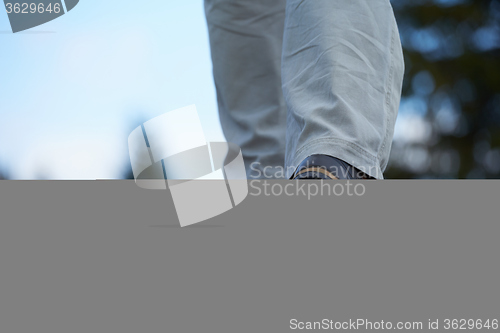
(107, 256)
(70, 4)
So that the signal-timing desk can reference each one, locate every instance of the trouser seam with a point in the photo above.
(387, 97)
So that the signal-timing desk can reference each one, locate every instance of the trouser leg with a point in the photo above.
(342, 74)
(246, 38)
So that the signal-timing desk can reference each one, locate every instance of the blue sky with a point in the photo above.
(72, 89)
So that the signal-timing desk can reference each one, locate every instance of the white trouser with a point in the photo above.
(301, 77)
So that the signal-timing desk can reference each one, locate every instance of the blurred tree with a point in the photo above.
(449, 120)
(3, 172)
(133, 122)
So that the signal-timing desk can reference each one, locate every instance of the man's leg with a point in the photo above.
(246, 38)
(342, 76)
